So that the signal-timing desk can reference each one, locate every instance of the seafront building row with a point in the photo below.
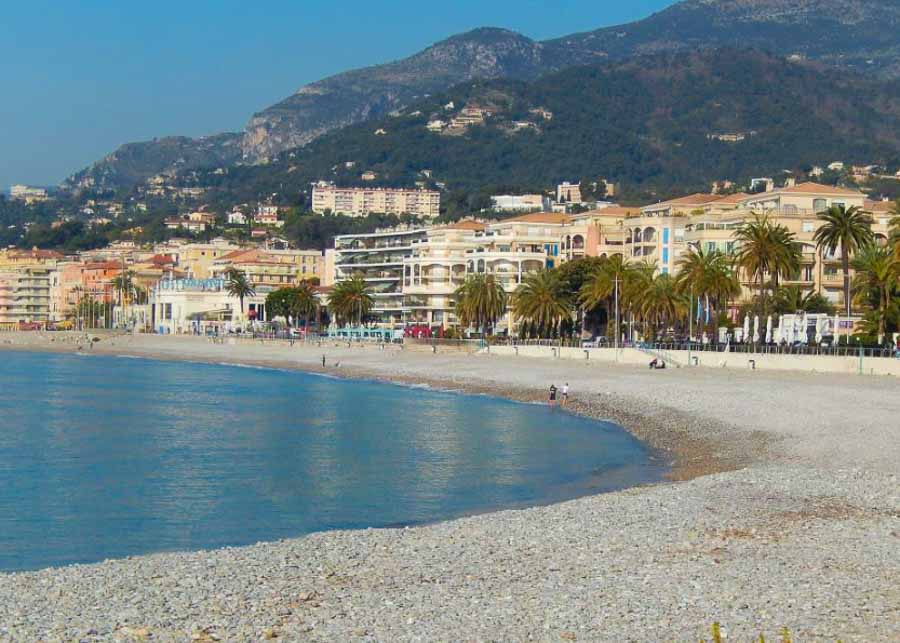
(412, 271)
(40, 287)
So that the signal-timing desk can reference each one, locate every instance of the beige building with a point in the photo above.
(327, 197)
(568, 192)
(25, 295)
(711, 221)
(272, 269)
(443, 261)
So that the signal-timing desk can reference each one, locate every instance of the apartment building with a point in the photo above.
(25, 295)
(709, 222)
(449, 255)
(28, 194)
(520, 203)
(196, 259)
(357, 201)
(378, 258)
(568, 192)
(269, 270)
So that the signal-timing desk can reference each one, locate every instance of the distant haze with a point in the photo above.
(80, 79)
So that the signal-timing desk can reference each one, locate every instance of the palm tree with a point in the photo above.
(661, 302)
(792, 299)
(848, 229)
(600, 287)
(766, 248)
(124, 285)
(237, 285)
(895, 226)
(709, 276)
(351, 298)
(541, 299)
(481, 301)
(876, 280)
(304, 302)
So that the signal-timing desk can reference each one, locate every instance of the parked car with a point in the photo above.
(597, 342)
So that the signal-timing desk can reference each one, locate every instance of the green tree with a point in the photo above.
(480, 301)
(541, 299)
(766, 248)
(707, 276)
(237, 285)
(848, 229)
(661, 303)
(305, 302)
(351, 299)
(876, 281)
(788, 300)
(895, 227)
(600, 286)
(279, 302)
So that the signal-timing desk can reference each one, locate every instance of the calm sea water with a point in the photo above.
(104, 457)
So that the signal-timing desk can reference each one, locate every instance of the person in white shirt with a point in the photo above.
(565, 394)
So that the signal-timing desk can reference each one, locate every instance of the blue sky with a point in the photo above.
(81, 78)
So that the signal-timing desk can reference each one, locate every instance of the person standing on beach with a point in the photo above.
(565, 394)
(552, 400)
(323, 361)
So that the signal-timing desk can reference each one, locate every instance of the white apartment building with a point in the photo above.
(357, 201)
(449, 255)
(378, 258)
(520, 203)
(27, 194)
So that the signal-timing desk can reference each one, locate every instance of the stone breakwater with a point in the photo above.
(785, 512)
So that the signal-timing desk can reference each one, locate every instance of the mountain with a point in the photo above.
(372, 92)
(658, 124)
(859, 35)
(134, 163)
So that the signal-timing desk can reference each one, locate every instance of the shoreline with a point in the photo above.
(783, 510)
(688, 456)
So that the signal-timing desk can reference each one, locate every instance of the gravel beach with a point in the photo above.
(783, 510)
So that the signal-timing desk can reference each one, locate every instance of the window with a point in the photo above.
(819, 205)
(665, 256)
(807, 273)
(809, 226)
(666, 236)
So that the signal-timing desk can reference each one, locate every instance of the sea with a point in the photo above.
(106, 457)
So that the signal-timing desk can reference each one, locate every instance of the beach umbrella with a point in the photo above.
(837, 326)
(820, 328)
(756, 329)
(769, 330)
(804, 328)
(746, 334)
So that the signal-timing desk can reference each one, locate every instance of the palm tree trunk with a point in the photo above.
(845, 264)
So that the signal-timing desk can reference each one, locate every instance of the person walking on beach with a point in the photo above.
(323, 361)
(552, 400)
(565, 394)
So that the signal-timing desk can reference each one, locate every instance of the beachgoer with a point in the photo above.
(323, 361)
(552, 400)
(565, 394)
(654, 363)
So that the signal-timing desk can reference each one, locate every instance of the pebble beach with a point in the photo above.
(782, 510)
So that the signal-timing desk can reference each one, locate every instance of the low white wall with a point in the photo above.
(811, 363)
